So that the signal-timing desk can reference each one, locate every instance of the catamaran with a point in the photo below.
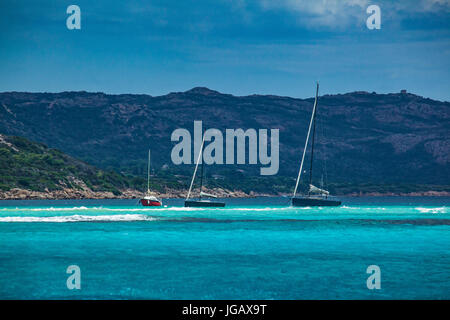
(315, 196)
(201, 201)
(150, 200)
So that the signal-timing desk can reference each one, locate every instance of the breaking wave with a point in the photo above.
(153, 209)
(432, 210)
(82, 218)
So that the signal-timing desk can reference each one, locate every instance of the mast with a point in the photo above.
(306, 142)
(148, 172)
(312, 146)
(196, 166)
(201, 175)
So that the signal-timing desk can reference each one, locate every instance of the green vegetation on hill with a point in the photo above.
(34, 166)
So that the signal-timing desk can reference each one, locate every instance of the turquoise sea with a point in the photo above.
(253, 249)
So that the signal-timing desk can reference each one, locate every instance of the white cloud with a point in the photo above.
(323, 13)
(342, 13)
(435, 5)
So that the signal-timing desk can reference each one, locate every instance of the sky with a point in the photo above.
(240, 47)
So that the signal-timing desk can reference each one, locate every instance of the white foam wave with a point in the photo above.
(363, 208)
(81, 218)
(350, 208)
(49, 209)
(432, 210)
(153, 209)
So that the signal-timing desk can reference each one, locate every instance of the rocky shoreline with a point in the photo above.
(23, 194)
(429, 193)
(67, 193)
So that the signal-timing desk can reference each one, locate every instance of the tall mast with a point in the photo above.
(312, 146)
(306, 142)
(196, 166)
(201, 176)
(148, 172)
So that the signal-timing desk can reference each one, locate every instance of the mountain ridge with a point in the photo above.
(208, 91)
(370, 138)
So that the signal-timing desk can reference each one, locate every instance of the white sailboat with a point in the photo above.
(315, 196)
(201, 201)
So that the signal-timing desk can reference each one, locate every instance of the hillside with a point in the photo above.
(372, 141)
(35, 167)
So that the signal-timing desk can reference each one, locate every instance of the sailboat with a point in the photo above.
(204, 199)
(150, 200)
(315, 196)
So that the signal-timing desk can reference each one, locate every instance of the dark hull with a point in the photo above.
(314, 202)
(199, 203)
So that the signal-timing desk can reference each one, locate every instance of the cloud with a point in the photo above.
(324, 13)
(435, 5)
(342, 13)
(317, 7)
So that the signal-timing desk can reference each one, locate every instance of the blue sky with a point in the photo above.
(233, 46)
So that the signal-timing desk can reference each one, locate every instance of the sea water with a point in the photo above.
(252, 249)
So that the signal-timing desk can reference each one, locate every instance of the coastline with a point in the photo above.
(65, 194)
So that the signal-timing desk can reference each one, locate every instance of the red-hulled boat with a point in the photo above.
(150, 200)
